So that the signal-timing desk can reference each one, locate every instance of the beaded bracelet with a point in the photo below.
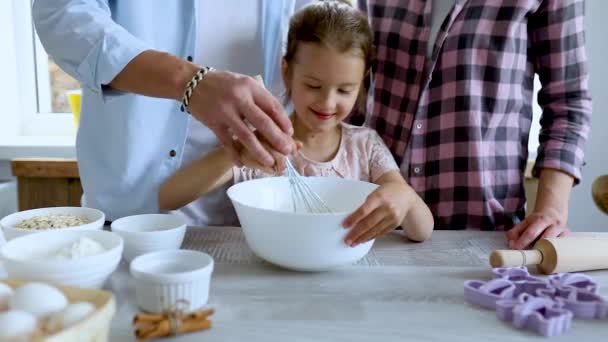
(198, 77)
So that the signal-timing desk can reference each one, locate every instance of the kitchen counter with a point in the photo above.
(400, 291)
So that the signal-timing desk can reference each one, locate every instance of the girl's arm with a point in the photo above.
(393, 204)
(199, 178)
(209, 173)
(418, 222)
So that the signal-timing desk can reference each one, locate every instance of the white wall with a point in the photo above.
(583, 213)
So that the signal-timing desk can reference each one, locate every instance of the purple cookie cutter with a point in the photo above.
(545, 307)
(485, 294)
(538, 314)
(524, 282)
(510, 272)
(582, 304)
(563, 281)
(504, 307)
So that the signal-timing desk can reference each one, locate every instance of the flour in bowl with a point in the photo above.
(83, 247)
(52, 221)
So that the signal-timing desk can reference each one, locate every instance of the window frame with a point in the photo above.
(30, 112)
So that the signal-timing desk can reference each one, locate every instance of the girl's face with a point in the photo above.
(324, 85)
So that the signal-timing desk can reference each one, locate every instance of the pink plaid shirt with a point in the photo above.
(465, 113)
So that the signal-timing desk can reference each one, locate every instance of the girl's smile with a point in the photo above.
(322, 115)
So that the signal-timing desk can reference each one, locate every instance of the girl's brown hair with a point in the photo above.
(335, 24)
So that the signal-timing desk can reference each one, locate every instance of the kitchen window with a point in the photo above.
(34, 90)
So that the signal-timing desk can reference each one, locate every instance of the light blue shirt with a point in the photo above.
(124, 140)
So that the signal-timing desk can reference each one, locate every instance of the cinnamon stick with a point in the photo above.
(194, 325)
(150, 318)
(202, 314)
(154, 332)
(155, 318)
(163, 329)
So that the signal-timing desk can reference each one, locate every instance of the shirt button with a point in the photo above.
(416, 170)
(172, 153)
(418, 126)
(189, 58)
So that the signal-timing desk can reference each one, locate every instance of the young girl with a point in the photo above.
(328, 54)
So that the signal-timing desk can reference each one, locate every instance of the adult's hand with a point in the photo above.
(550, 216)
(544, 223)
(247, 159)
(224, 101)
(227, 103)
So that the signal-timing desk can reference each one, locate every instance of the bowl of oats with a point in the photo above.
(49, 219)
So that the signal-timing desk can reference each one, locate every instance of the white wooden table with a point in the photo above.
(400, 291)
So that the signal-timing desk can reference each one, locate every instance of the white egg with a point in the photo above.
(5, 294)
(38, 299)
(16, 324)
(69, 316)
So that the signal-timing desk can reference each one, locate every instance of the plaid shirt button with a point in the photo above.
(418, 126)
(416, 170)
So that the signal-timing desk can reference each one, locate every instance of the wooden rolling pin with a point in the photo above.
(580, 252)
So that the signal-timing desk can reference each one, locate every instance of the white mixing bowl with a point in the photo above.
(299, 241)
(23, 258)
(96, 220)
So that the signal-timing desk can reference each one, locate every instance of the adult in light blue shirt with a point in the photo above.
(132, 59)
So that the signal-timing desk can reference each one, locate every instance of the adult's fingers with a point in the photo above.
(252, 163)
(552, 231)
(281, 162)
(514, 233)
(271, 106)
(532, 232)
(250, 141)
(267, 128)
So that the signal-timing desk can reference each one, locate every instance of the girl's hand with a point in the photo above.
(383, 211)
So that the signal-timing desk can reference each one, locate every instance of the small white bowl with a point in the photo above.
(23, 258)
(8, 223)
(164, 278)
(150, 233)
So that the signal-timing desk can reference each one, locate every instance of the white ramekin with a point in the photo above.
(172, 278)
(149, 233)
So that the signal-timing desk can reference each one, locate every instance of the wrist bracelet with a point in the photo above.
(198, 77)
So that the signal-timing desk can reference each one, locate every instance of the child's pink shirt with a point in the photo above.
(362, 155)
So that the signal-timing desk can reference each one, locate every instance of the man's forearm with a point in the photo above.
(553, 192)
(156, 74)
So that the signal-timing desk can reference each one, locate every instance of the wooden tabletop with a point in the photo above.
(400, 291)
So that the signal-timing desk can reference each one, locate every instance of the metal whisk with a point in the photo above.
(302, 196)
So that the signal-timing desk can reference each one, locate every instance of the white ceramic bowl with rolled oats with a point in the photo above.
(52, 218)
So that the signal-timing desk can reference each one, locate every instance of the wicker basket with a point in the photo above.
(95, 327)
